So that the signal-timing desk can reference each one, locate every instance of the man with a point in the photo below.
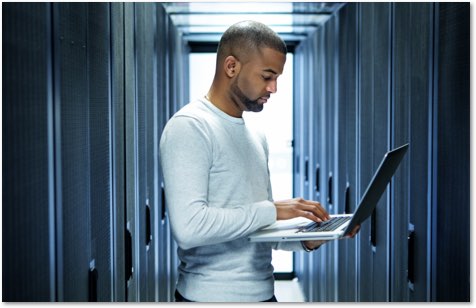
(217, 180)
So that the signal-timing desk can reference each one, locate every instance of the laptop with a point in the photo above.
(300, 228)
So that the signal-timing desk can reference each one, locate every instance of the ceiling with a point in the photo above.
(204, 22)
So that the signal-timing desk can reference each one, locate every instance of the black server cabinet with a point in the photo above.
(99, 76)
(301, 156)
(118, 153)
(72, 43)
(131, 244)
(451, 268)
(28, 201)
(82, 151)
(412, 106)
(88, 88)
(163, 109)
(402, 77)
(322, 142)
(373, 142)
(139, 33)
(314, 110)
(346, 183)
(147, 143)
(297, 161)
(177, 71)
(72, 166)
(313, 145)
(329, 150)
(308, 135)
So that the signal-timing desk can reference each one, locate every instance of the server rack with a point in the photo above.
(346, 154)
(412, 65)
(28, 168)
(451, 143)
(98, 216)
(390, 57)
(117, 107)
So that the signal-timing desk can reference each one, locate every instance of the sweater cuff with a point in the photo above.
(266, 213)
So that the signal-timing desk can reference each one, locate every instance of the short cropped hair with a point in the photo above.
(243, 38)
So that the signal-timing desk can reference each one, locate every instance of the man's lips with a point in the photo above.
(263, 99)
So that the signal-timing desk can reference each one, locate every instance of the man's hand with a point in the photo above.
(298, 207)
(316, 244)
(313, 244)
(354, 232)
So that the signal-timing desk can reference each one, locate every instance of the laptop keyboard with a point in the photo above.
(330, 225)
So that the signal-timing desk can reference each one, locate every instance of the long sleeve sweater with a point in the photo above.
(218, 191)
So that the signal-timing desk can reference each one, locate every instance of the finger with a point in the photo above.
(354, 231)
(317, 211)
(311, 216)
(318, 206)
(306, 214)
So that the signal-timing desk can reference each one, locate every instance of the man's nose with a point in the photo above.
(272, 86)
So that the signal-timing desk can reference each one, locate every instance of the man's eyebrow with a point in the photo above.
(270, 71)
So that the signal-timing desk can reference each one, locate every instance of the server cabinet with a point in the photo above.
(118, 153)
(73, 217)
(451, 154)
(178, 70)
(314, 70)
(329, 150)
(98, 51)
(152, 92)
(85, 106)
(299, 172)
(163, 113)
(322, 145)
(402, 77)
(145, 53)
(373, 142)
(82, 141)
(82, 151)
(131, 168)
(412, 104)
(302, 167)
(74, 54)
(346, 182)
(314, 109)
(28, 221)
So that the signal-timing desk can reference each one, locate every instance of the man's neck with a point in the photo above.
(224, 103)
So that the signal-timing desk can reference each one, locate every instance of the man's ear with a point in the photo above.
(232, 66)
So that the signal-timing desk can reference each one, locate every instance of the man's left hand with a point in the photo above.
(316, 244)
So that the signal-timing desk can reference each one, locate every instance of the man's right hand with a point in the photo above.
(298, 207)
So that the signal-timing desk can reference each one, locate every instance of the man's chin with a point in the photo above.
(255, 107)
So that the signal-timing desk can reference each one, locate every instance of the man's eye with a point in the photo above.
(266, 78)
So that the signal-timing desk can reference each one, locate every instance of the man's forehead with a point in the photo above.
(272, 61)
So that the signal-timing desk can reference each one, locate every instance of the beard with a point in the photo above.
(251, 105)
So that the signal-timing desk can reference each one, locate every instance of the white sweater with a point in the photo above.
(218, 191)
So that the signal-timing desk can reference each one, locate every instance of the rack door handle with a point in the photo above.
(330, 189)
(93, 283)
(306, 170)
(411, 256)
(162, 208)
(128, 254)
(373, 230)
(318, 175)
(347, 208)
(148, 231)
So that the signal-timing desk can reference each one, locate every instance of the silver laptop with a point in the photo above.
(300, 228)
